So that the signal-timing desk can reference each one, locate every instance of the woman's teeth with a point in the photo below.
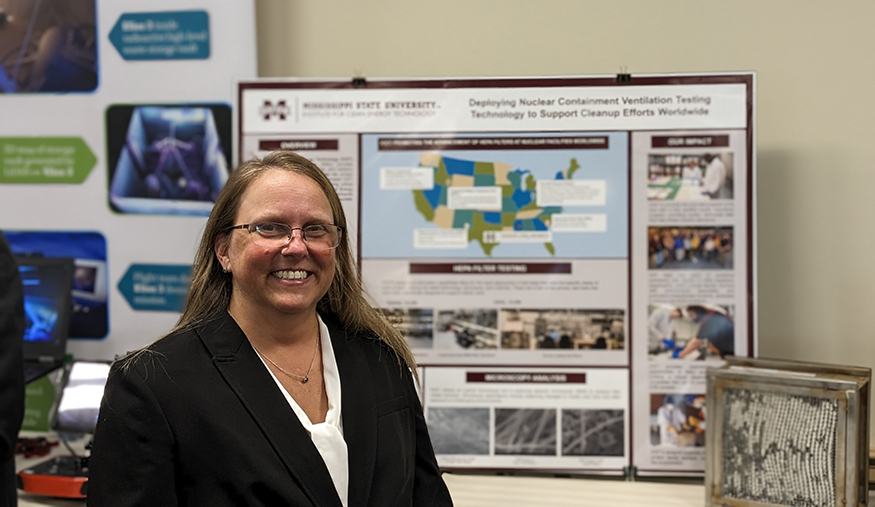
(290, 275)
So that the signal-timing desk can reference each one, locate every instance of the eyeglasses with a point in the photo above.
(276, 235)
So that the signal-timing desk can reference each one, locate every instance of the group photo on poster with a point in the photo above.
(690, 248)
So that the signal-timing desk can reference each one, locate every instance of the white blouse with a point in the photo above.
(327, 436)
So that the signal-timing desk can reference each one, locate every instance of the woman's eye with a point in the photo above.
(268, 228)
(315, 230)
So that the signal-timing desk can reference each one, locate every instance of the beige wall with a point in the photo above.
(815, 65)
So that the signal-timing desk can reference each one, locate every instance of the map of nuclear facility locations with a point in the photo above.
(532, 195)
(515, 187)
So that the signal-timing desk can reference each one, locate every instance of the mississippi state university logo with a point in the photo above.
(279, 110)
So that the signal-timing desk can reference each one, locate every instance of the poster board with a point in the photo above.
(564, 255)
(115, 136)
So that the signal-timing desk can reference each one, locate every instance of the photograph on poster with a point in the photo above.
(677, 420)
(525, 431)
(459, 430)
(690, 331)
(690, 177)
(167, 159)
(562, 329)
(415, 324)
(690, 247)
(89, 315)
(467, 329)
(48, 46)
(592, 432)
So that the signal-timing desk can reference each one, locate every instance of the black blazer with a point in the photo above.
(199, 421)
(11, 370)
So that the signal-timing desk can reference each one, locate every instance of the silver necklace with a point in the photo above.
(303, 378)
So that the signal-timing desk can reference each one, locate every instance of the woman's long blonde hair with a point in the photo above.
(210, 291)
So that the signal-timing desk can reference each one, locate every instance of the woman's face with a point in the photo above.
(287, 279)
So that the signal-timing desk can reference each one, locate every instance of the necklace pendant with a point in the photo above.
(305, 379)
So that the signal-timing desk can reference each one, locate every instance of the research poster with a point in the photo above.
(565, 256)
(115, 138)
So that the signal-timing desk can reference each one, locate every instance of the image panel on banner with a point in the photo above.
(170, 159)
(690, 237)
(487, 195)
(528, 418)
(48, 47)
(507, 312)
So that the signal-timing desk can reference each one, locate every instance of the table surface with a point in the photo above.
(490, 490)
(507, 491)
(476, 490)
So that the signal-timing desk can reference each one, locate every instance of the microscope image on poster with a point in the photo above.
(171, 160)
(47, 46)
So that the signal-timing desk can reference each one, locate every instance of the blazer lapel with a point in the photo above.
(358, 412)
(244, 372)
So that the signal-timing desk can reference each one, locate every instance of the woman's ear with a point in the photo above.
(220, 247)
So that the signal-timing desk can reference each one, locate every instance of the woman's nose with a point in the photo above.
(296, 244)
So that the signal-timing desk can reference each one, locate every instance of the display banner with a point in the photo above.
(115, 138)
(565, 256)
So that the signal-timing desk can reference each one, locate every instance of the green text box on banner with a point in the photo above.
(38, 401)
(152, 287)
(183, 35)
(45, 160)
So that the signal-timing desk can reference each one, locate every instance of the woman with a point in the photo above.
(279, 385)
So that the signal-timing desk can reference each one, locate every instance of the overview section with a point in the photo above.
(524, 235)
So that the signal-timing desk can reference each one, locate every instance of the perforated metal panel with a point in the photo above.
(779, 448)
(784, 434)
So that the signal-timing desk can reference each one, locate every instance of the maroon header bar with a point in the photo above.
(297, 144)
(489, 268)
(527, 378)
(491, 143)
(689, 141)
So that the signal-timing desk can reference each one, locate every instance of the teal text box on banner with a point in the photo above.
(183, 35)
(156, 287)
